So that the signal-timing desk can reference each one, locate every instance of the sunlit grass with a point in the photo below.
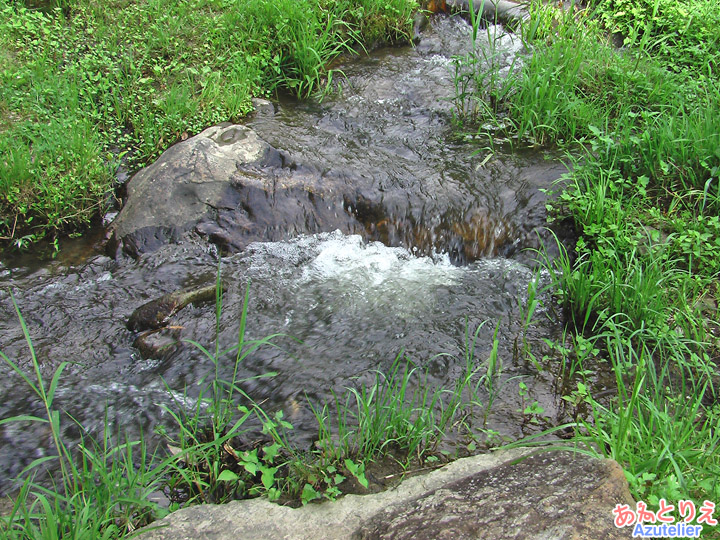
(86, 82)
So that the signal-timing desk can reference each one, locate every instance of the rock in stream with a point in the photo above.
(156, 313)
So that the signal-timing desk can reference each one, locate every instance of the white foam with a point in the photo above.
(355, 273)
(349, 258)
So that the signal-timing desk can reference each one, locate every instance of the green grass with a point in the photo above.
(658, 426)
(100, 489)
(685, 34)
(639, 287)
(400, 414)
(86, 83)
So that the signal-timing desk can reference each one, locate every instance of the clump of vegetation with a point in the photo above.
(683, 34)
(642, 131)
(87, 84)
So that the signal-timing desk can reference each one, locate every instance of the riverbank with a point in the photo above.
(87, 86)
(641, 125)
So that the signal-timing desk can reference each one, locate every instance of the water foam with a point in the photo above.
(354, 274)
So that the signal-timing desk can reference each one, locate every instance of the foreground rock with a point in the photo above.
(554, 495)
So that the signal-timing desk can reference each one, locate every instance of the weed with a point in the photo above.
(682, 33)
(483, 78)
(658, 424)
(210, 465)
(103, 487)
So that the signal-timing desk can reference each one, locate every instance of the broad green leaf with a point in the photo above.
(271, 451)
(309, 493)
(227, 476)
(268, 477)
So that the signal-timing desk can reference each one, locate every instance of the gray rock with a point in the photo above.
(226, 184)
(262, 108)
(553, 495)
(185, 184)
(157, 343)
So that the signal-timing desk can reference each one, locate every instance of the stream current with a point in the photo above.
(437, 246)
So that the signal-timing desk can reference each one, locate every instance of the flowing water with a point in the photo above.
(435, 249)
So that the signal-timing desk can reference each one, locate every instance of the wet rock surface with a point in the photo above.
(554, 496)
(228, 185)
(156, 313)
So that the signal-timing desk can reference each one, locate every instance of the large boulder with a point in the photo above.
(230, 186)
(554, 496)
(512, 494)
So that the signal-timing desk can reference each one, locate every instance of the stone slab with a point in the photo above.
(552, 495)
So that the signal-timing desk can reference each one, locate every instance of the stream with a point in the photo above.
(434, 242)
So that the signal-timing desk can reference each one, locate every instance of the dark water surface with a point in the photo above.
(439, 250)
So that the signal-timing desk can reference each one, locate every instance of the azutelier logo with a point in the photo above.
(663, 523)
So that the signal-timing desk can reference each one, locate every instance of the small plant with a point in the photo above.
(103, 487)
(482, 78)
(396, 411)
(212, 463)
(527, 307)
(578, 397)
(531, 411)
(262, 462)
(489, 379)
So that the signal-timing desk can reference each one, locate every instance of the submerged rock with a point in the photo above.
(156, 313)
(156, 344)
(554, 495)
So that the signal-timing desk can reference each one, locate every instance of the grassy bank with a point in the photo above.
(85, 84)
(640, 287)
